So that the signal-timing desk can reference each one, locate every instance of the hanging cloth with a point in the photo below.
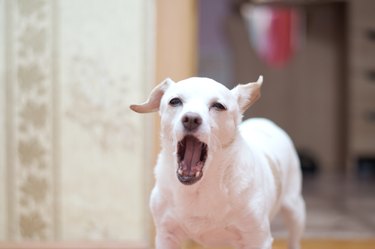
(274, 32)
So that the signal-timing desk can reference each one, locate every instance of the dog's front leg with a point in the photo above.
(168, 233)
(167, 240)
(257, 243)
(258, 236)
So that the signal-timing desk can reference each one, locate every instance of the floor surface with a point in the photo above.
(337, 208)
(317, 244)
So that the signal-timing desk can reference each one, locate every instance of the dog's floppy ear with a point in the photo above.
(247, 94)
(153, 102)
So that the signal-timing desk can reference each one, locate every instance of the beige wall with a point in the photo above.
(77, 161)
(177, 49)
(2, 124)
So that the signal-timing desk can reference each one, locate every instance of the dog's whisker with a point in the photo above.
(216, 142)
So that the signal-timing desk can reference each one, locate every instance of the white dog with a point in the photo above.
(219, 182)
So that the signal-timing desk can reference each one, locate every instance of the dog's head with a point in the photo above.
(198, 116)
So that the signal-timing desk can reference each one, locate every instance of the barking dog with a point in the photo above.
(220, 182)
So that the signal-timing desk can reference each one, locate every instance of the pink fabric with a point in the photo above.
(275, 33)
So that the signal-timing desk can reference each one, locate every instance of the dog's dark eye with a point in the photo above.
(218, 106)
(175, 102)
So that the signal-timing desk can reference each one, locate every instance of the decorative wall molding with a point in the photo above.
(77, 160)
(30, 147)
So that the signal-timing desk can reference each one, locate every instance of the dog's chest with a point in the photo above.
(209, 219)
(212, 235)
(211, 231)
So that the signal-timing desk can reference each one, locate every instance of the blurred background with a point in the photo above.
(76, 164)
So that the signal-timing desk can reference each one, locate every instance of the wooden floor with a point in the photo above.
(331, 244)
(306, 244)
(319, 244)
(72, 245)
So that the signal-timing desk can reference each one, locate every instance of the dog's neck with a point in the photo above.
(228, 144)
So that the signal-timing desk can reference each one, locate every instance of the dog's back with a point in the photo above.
(272, 142)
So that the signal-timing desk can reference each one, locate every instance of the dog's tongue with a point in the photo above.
(192, 154)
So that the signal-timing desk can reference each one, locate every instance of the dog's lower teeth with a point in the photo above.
(197, 174)
(180, 171)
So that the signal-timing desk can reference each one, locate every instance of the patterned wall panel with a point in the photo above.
(74, 161)
(30, 154)
(2, 126)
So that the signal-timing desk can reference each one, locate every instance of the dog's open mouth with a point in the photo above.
(191, 156)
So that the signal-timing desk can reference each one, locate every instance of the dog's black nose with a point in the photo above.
(191, 121)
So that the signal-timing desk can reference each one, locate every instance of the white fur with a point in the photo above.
(251, 171)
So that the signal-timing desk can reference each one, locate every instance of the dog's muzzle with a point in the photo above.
(191, 156)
